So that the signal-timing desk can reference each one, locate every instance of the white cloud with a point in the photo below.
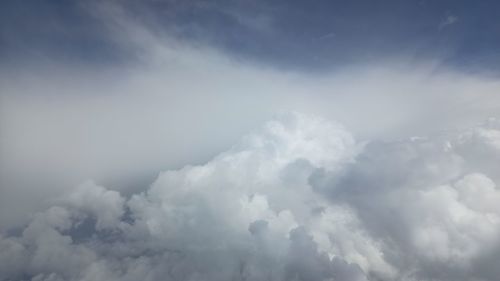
(244, 215)
(429, 200)
(448, 20)
(180, 103)
(297, 200)
(106, 205)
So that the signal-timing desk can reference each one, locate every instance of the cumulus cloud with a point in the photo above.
(299, 199)
(429, 199)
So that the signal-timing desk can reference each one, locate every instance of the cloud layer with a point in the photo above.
(299, 199)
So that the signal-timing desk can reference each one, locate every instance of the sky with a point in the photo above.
(249, 140)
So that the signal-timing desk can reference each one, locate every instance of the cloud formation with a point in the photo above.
(178, 100)
(136, 88)
(299, 199)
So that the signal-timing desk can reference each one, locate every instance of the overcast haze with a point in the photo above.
(250, 140)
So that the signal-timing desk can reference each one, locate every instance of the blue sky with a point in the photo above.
(312, 35)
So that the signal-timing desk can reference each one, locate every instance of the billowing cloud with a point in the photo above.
(299, 199)
(428, 199)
